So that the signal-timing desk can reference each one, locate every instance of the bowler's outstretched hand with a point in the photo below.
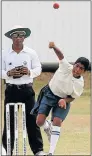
(51, 44)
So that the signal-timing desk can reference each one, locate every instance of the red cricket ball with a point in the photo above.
(55, 5)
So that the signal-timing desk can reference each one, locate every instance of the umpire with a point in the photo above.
(20, 65)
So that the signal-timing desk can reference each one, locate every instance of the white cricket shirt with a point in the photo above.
(28, 58)
(63, 83)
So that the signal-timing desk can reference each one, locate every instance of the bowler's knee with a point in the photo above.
(57, 121)
(40, 120)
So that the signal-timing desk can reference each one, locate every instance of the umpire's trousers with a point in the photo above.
(25, 94)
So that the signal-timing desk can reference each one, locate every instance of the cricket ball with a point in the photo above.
(55, 5)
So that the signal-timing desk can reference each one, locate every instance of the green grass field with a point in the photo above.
(75, 131)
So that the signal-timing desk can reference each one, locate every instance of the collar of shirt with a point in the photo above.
(23, 50)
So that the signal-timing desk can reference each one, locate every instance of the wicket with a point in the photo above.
(16, 127)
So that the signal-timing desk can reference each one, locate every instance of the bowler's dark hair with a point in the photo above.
(84, 61)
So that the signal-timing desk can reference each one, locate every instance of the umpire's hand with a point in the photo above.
(25, 71)
(14, 72)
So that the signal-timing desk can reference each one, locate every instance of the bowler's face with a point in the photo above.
(18, 38)
(78, 69)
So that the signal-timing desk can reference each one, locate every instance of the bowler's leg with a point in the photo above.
(58, 116)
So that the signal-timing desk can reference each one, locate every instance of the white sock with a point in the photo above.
(46, 124)
(54, 138)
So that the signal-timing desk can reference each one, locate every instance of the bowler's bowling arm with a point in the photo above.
(58, 53)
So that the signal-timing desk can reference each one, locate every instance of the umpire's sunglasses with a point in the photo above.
(16, 35)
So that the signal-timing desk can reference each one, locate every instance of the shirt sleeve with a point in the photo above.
(77, 89)
(64, 65)
(36, 66)
(3, 67)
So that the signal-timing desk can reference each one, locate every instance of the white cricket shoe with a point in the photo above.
(49, 154)
(48, 130)
(3, 151)
(41, 153)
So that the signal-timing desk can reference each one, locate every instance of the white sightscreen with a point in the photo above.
(68, 26)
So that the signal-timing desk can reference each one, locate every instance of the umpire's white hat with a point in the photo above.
(18, 28)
